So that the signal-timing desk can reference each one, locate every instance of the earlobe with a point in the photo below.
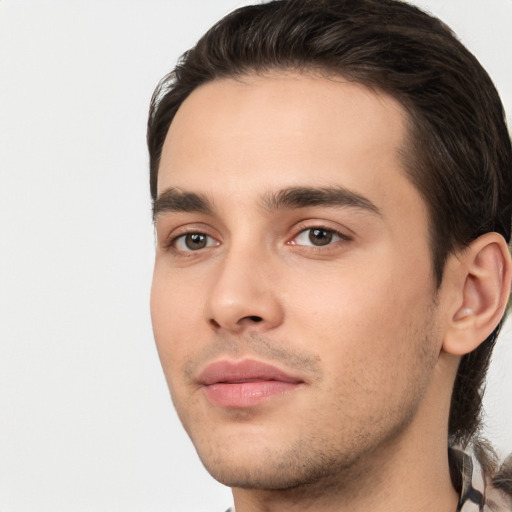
(485, 280)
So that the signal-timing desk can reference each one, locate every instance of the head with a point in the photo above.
(456, 151)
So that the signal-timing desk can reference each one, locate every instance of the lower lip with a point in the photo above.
(238, 395)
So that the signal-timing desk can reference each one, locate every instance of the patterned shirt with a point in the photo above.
(476, 492)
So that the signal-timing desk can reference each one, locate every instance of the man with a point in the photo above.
(332, 186)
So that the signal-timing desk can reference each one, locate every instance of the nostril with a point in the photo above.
(214, 323)
(243, 321)
(255, 319)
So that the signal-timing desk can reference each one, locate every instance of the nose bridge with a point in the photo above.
(242, 293)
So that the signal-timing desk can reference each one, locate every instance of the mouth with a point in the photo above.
(245, 383)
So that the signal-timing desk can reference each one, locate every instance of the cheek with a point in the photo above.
(175, 316)
(377, 352)
(368, 313)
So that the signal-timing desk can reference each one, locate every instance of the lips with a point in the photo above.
(245, 383)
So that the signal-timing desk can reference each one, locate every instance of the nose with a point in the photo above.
(244, 295)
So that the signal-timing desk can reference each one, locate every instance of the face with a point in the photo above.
(293, 299)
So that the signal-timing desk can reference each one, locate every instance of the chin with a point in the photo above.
(304, 463)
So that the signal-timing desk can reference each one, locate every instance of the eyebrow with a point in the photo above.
(303, 197)
(176, 200)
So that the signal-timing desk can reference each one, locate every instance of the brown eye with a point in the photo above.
(319, 237)
(194, 242)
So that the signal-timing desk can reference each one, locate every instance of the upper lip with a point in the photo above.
(245, 370)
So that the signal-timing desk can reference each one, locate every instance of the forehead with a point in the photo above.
(234, 138)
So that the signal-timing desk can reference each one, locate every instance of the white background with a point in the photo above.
(86, 423)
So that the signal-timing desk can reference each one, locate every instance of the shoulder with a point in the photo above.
(500, 490)
(481, 483)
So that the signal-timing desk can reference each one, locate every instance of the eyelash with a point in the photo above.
(183, 237)
(341, 237)
(172, 244)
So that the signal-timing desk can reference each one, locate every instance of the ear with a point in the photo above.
(482, 274)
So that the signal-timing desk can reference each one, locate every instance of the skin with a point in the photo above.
(358, 319)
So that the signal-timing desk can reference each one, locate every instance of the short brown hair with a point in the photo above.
(459, 154)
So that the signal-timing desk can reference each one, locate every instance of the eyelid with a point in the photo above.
(345, 234)
(172, 235)
(175, 242)
(336, 237)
